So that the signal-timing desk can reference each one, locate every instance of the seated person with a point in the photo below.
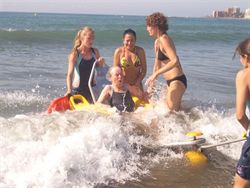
(119, 94)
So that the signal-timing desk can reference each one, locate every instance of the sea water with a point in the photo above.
(90, 149)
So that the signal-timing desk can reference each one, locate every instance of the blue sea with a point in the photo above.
(90, 149)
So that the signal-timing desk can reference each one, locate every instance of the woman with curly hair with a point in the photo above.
(166, 61)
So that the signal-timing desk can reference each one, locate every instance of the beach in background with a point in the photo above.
(87, 149)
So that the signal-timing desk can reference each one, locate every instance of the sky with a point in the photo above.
(178, 8)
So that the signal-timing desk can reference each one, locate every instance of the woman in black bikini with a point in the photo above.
(166, 61)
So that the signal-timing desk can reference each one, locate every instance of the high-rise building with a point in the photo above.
(232, 12)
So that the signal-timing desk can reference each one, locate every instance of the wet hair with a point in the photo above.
(243, 48)
(82, 32)
(157, 19)
(129, 31)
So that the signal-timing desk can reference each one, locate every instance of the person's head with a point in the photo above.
(84, 36)
(129, 39)
(115, 75)
(243, 49)
(156, 21)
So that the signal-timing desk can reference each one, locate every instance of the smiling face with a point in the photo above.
(129, 41)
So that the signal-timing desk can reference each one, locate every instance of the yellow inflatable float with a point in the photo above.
(78, 102)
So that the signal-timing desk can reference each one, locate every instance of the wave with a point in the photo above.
(114, 37)
(88, 149)
(21, 102)
(35, 36)
(63, 28)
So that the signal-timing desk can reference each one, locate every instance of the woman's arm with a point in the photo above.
(105, 95)
(71, 64)
(157, 63)
(137, 92)
(157, 66)
(100, 60)
(241, 99)
(143, 72)
(116, 61)
(169, 50)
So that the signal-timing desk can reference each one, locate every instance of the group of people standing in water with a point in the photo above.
(130, 67)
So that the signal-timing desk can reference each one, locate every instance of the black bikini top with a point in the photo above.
(162, 56)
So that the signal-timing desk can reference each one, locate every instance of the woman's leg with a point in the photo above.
(239, 182)
(175, 92)
(242, 177)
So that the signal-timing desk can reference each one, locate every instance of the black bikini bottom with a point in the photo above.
(181, 78)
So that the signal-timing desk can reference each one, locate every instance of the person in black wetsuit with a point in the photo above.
(166, 61)
(81, 60)
(119, 94)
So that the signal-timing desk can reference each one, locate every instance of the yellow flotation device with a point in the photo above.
(195, 157)
(140, 103)
(78, 102)
(194, 134)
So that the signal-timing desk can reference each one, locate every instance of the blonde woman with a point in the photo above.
(166, 61)
(132, 59)
(80, 63)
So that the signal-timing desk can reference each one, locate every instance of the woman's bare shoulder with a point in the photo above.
(72, 56)
(118, 50)
(139, 48)
(243, 76)
(108, 88)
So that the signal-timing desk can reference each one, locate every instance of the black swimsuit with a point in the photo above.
(122, 101)
(162, 56)
(85, 67)
(182, 78)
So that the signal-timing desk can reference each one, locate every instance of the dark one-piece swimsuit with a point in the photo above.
(122, 101)
(85, 67)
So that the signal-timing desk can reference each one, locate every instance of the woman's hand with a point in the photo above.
(146, 96)
(150, 81)
(68, 93)
(100, 61)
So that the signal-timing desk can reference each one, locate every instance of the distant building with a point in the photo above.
(232, 12)
(247, 14)
(217, 14)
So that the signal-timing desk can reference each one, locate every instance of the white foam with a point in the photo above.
(84, 149)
